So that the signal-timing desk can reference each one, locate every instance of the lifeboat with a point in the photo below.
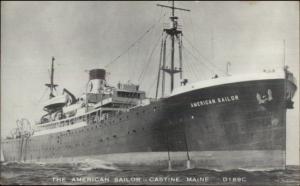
(55, 103)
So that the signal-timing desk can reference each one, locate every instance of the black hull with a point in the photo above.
(222, 127)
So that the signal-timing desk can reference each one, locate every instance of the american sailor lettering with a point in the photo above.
(211, 101)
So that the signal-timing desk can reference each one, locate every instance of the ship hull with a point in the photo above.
(237, 125)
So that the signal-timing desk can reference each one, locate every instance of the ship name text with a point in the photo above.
(211, 101)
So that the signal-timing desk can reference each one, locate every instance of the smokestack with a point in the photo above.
(97, 74)
(96, 81)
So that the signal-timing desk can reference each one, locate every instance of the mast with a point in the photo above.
(174, 27)
(52, 74)
(174, 34)
(51, 85)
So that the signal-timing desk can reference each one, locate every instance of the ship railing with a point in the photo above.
(88, 117)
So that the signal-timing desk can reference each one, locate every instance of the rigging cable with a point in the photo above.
(134, 43)
(193, 26)
(159, 68)
(150, 89)
(190, 70)
(193, 34)
(141, 77)
(135, 61)
(194, 67)
(198, 60)
(209, 62)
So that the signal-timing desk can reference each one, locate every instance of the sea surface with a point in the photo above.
(92, 172)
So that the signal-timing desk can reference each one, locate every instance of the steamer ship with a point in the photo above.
(236, 121)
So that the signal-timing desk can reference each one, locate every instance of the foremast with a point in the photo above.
(51, 85)
(175, 35)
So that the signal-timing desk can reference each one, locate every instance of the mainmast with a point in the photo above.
(51, 85)
(175, 35)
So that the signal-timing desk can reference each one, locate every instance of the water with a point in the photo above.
(95, 172)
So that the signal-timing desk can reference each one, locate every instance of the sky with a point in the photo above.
(86, 35)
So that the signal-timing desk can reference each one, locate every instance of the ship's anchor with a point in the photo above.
(23, 131)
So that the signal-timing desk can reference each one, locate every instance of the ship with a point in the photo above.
(230, 122)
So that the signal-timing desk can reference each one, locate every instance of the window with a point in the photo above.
(128, 94)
